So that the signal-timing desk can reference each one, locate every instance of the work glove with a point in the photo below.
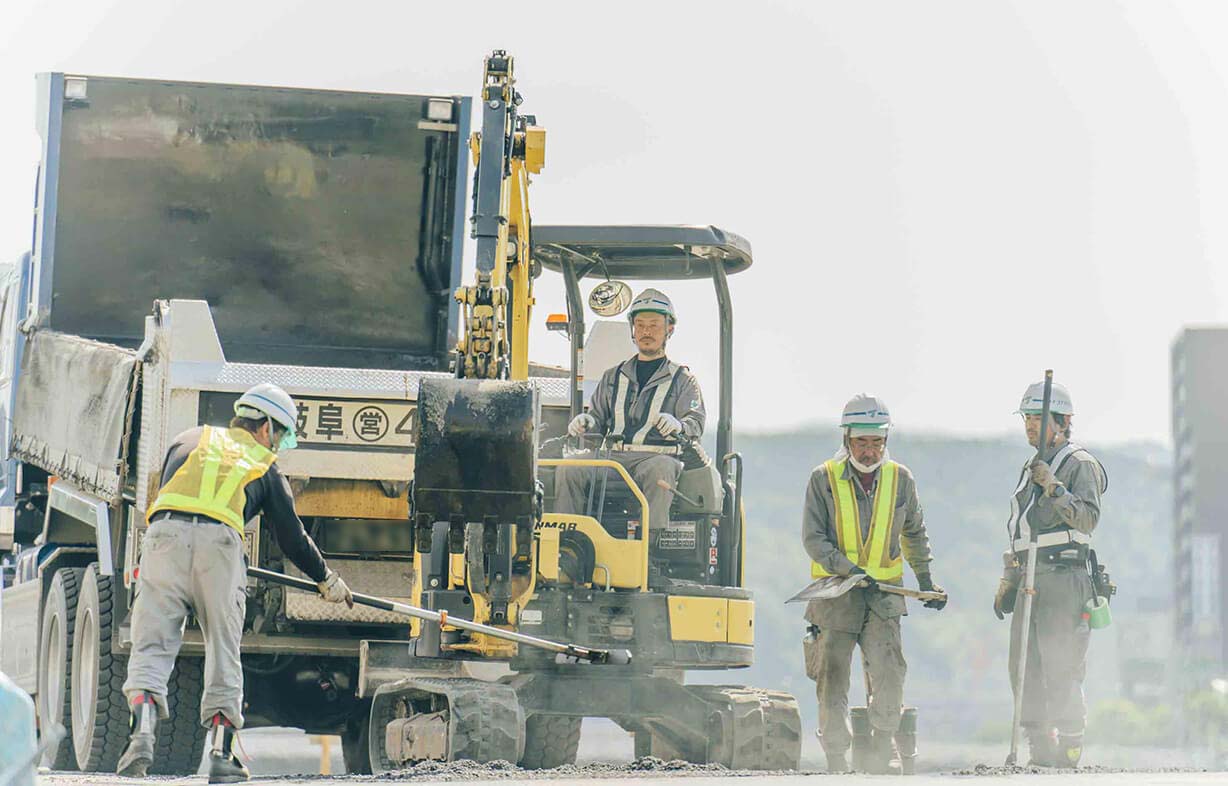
(1042, 475)
(581, 424)
(866, 581)
(1004, 599)
(668, 425)
(926, 584)
(334, 589)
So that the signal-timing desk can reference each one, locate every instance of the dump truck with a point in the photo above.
(191, 240)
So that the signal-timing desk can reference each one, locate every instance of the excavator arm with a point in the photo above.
(496, 307)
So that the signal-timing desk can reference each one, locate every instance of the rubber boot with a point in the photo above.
(1069, 750)
(224, 765)
(881, 758)
(1042, 747)
(906, 741)
(859, 718)
(142, 726)
(837, 761)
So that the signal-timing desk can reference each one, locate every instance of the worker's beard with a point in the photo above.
(653, 354)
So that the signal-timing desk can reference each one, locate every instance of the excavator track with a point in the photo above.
(446, 719)
(757, 729)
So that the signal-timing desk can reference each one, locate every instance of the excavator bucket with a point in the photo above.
(476, 454)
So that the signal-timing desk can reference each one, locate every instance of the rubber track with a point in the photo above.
(110, 733)
(550, 741)
(181, 738)
(761, 729)
(485, 723)
(64, 758)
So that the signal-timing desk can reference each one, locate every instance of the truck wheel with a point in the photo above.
(550, 741)
(356, 742)
(181, 738)
(99, 709)
(55, 669)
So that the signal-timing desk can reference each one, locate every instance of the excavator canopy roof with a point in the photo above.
(641, 252)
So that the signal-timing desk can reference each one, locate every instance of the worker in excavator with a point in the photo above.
(861, 515)
(651, 403)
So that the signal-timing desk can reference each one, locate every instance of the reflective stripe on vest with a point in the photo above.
(874, 556)
(654, 408)
(213, 479)
(1017, 527)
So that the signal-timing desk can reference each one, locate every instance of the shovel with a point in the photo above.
(831, 587)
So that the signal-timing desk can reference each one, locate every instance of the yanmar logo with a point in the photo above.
(563, 525)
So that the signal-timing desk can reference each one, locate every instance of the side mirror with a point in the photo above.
(609, 298)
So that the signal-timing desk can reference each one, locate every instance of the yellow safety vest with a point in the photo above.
(873, 557)
(212, 480)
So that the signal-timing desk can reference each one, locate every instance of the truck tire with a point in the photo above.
(99, 709)
(356, 742)
(181, 738)
(550, 741)
(55, 664)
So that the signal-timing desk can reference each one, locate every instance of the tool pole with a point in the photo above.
(616, 657)
(1029, 581)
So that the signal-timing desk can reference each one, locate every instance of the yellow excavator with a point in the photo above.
(488, 552)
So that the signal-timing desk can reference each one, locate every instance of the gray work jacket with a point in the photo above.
(847, 613)
(682, 399)
(1079, 508)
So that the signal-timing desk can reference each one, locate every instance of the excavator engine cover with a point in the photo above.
(476, 454)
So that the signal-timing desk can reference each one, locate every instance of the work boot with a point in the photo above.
(1069, 750)
(224, 765)
(1042, 747)
(142, 724)
(881, 758)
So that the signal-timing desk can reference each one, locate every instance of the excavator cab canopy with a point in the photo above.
(652, 252)
(661, 253)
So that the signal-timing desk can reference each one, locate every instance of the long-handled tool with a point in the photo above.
(1029, 580)
(612, 657)
(829, 587)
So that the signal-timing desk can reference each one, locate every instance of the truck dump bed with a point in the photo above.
(304, 217)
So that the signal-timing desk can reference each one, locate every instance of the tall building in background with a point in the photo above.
(1200, 501)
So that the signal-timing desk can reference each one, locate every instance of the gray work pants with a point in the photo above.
(829, 662)
(1057, 650)
(190, 568)
(571, 483)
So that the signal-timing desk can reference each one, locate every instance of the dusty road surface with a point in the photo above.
(285, 757)
(593, 778)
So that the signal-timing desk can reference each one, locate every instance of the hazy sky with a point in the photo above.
(943, 198)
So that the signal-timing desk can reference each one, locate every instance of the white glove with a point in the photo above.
(581, 424)
(668, 425)
(334, 590)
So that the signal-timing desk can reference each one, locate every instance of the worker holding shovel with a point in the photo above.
(861, 519)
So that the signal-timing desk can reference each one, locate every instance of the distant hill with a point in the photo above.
(957, 657)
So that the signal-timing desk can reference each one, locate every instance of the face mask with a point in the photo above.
(287, 442)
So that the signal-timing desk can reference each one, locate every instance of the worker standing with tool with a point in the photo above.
(651, 403)
(861, 515)
(1057, 500)
(214, 480)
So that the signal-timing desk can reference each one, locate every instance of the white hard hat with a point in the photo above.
(866, 415)
(1034, 400)
(271, 401)
(653, 300)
